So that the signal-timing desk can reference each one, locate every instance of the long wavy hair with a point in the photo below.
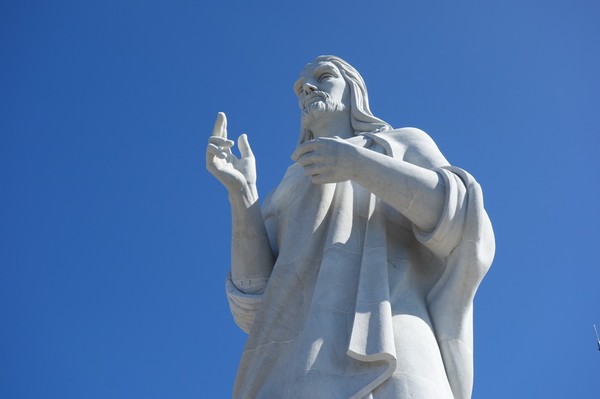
(362, 118)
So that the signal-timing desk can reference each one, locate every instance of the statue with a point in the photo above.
(356, 278)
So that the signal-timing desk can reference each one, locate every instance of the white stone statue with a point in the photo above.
(356, 278)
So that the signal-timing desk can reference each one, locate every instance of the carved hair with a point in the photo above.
(362, 118)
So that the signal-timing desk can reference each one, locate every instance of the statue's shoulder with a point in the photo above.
(408, 136)
(417, 146)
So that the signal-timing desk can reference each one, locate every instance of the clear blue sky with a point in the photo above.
(115, 240)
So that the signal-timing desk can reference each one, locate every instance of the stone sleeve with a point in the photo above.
(448, 232)
(245, 298)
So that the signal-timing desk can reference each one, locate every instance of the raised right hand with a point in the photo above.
(238, 175)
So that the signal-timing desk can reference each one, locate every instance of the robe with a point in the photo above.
(361, 303)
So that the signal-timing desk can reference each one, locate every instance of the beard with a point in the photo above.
(319, 104)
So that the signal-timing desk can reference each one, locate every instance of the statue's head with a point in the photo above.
(351, 93)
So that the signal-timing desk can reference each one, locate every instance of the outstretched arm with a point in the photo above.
(251, 254)
(416, 192)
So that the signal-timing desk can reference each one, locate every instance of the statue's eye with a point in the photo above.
(325, 76)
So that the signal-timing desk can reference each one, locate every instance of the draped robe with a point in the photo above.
(361, 303)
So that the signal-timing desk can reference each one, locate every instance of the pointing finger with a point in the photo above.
(220, 129)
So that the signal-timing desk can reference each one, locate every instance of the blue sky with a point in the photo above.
(115, 240)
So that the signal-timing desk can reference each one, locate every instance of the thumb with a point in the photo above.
(244, 146)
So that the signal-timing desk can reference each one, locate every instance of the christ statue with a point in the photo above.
(355, 278)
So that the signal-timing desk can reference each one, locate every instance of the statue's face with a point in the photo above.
(321, 87)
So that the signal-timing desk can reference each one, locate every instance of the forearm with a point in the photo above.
(418, 193)
(251, 253)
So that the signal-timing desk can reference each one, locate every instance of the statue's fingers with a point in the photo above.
(244, 146)
(309, 157)
(220, 129)
(320, 179)
(312, 170)
(303, 148)
(210, 160)
(220, 141)
(215, 150)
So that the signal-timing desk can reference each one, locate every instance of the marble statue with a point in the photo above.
(356, 277)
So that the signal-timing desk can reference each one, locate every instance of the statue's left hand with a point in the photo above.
(327, 159)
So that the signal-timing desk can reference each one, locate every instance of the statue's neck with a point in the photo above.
(336, 125)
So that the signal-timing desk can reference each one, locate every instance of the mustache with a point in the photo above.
(315, 94)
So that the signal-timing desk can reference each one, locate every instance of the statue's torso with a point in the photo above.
(298, 345)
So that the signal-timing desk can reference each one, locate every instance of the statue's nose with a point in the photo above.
(308, 87)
